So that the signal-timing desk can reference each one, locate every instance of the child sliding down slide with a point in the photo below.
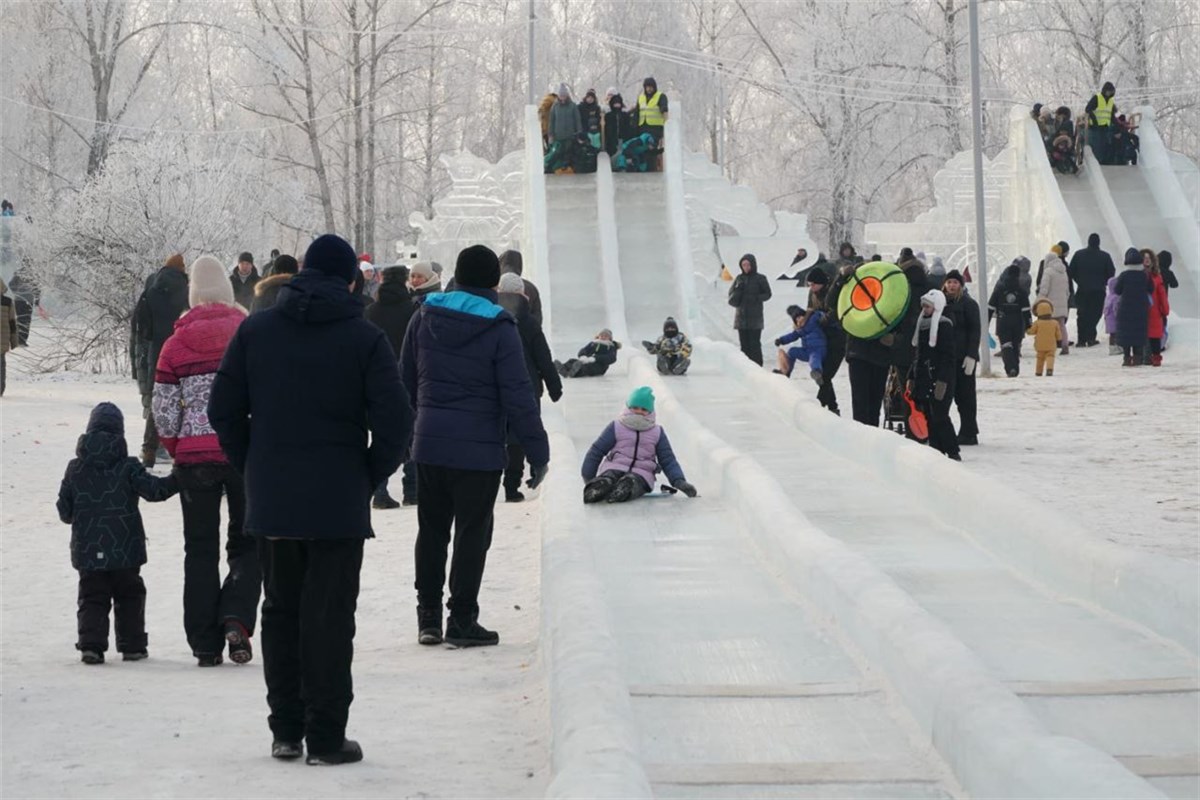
(630, 452)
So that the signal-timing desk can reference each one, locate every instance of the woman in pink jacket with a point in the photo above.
(1156, 321)
(214, 613)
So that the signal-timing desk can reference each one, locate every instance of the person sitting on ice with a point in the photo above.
(806, 327)
(594, 358)
(98, 498)
(673, 349)
(629, 453)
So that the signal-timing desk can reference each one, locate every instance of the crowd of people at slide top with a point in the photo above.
(574, 134)
(1111, 136)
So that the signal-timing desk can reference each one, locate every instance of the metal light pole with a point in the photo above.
(721, 117)
(532, 20)
(985, 352)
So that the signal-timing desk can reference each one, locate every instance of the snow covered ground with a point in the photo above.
(1118, 449)
(433, 722)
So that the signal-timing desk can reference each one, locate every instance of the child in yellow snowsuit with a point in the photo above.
(1047, 334)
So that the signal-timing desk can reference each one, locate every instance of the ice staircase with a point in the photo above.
(767, 640)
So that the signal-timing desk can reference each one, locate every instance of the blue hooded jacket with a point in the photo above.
(464, 367)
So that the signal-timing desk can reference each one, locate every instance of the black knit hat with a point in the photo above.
(669, 324)
(285, 265)
(511, 261)
(954, 275)
(246, 256)
(477, 268)
(795, 311)
(108, 418)
(332, 255)
(816, 275)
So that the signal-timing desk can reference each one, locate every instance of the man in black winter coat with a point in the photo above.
(1009, 304)
(963, 311)
(266, 291)
(308, 406)
(243, 278)
(934, 371)
(1089, 271)
(391, 312)
(163, 300)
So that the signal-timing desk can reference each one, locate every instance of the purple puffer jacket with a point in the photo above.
(1110, 308)
(624, 448)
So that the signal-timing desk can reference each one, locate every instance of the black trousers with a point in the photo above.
(1010, 331)
(868, 383)
(150, 436)
(941, 427)
(207, 602)
(3, 372)
(1089, 307)
(751, 344)
(311, 588)
(964, 398)
(834, 355)
(24, 310)
(122, 590)
(408, 483)
(464, 499)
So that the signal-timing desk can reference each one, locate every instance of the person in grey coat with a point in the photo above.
(565, 123)
(749, 291)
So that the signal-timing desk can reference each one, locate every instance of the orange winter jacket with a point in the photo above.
(1045, 330)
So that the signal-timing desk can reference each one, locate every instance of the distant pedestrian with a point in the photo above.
(1133, 289)
(266, 291)
(98, 498)
(1089, 271)
(1047, 335)
(391, 312)
(750, 290)
(8, 333)
(1054, 286)
(1009, 304)
(933, 372)
(1160, 308)
(512, 261)
(309, 407)
(963, 311)
(423, 281)
(163, 300)
(26, 296)
(243, 279)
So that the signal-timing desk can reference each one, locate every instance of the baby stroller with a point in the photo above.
(895, 409)
(636, 154)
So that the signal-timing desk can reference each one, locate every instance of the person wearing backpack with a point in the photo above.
(163, 300)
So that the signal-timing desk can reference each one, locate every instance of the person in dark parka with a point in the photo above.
(1009, 304)
(1089, 271)
(98, 498)
(1165, 260)
(309, 407)
(934, 370)
(266, 291)
(244, 278)
(918, 285)
(1133, 287)
(542, 374)
(868, 362)
(163, 300)
(464, 367)
(511, 261)
(749, 291)
(963, 311)
(391, 312)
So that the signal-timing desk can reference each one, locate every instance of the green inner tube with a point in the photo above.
(874, 300)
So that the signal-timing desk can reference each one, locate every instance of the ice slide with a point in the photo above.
(763, 641)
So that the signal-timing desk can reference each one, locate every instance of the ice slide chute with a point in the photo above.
(709, 637)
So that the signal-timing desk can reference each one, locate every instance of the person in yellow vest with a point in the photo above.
(652, 112)
(1102, 116)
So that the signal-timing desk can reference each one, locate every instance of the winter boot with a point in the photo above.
(409, 500)
(629, 487)
(681, 366)
(348, 753)
(967, 441)
(136, 655)
(209, 659)
(1128, 362)
(429, 624)
(384, 503)
(1156, 360)
(239, 642)
(515, 496)
(469, 633)
(286, 751)
(91, 656)
(598, 488)
(1049, 373)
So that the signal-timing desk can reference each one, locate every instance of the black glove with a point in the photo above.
(685, 487)
(537, 474)
(555, 395)
(939, 391)
(779, 342)
(648, 345)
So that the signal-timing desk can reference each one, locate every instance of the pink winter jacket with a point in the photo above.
(183, 382)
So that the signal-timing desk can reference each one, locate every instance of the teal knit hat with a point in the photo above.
(641, 397)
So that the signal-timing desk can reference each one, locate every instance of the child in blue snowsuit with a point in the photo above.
(806, 327)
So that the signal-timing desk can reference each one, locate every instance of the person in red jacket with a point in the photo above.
(214, 614)
(1160, 307)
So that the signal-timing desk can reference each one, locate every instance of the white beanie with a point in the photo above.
(937, 299)
(511, 283)
(422, 269)
(208, 283)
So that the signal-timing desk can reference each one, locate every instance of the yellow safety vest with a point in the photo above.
(1104, 110)
(648, 111)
